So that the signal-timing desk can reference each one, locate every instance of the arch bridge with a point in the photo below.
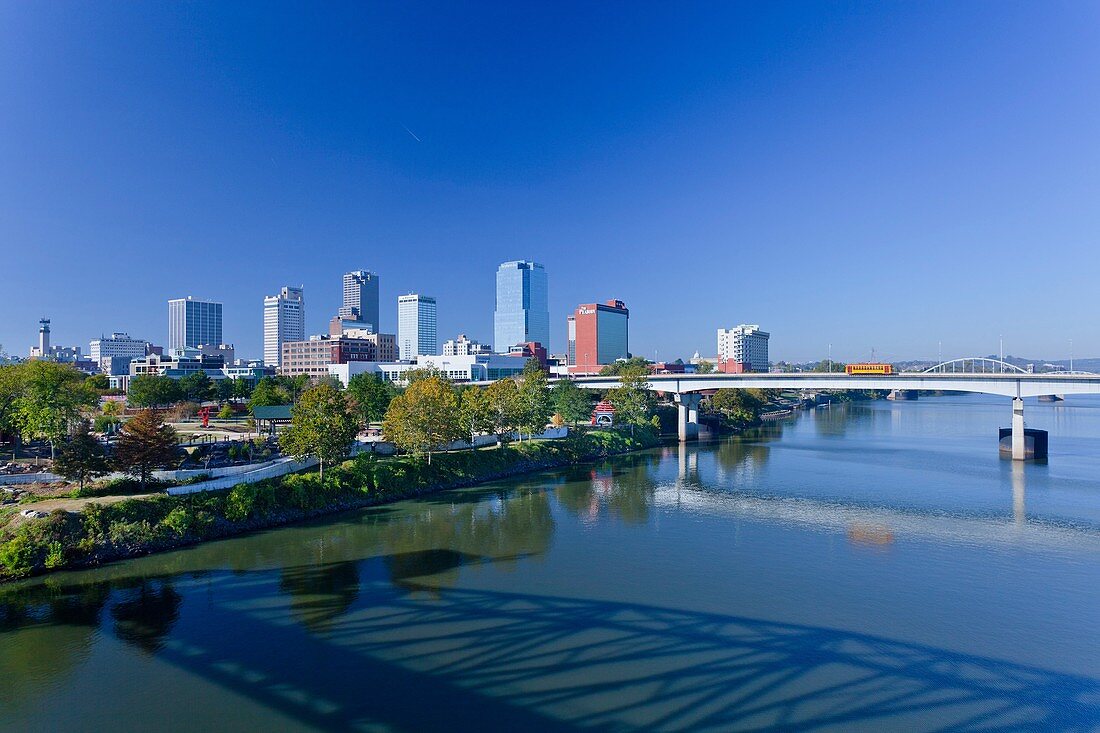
(1006, 381)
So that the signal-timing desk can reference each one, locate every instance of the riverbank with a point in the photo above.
(102, 533)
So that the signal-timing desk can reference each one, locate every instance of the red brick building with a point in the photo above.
(313, 357)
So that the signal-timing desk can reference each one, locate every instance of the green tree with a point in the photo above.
(534, 399)
(570, 401)
(704, 367)
(321, 425)
(633, 365)
(505, 410)
(738, 405)
(828, 365)
(242, 388)
(226, 412)
(98, 382)
(153, 390)
(474, 412)
(225, 389)
(632, 399)
(145, 444)
(424, 417)
(371, 396)
(52, 398)
(197, 386)
(268, 393)
(82, 457)
(11, 387)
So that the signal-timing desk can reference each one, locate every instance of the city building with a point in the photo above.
(463, 346)
(226, 351)
(360, 298)
(284, 320)
(522, 312)
(117, 345)
(385, 344)
(473, 368)
(178, 363)
(742, 349)
(49, 352)
(531, 350)
(338, 325)
(598, 335)
(416, 326)
(313, 356)
(192, 322)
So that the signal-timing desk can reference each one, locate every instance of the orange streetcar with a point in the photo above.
(869, 368)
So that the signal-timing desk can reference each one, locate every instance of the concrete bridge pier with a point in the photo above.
(688, 416)
(1019, 447)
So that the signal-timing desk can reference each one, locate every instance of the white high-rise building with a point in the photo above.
(284, 320)
(192, 322)
(746, 344)
(360, 298)
(416, 326)
(118, 345)
(464, 346)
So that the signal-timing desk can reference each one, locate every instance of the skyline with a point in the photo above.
(869, 177)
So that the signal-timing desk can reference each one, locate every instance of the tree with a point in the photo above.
(144, 444)
(828, 365)
(152, 390)
(53, 396)
(268, 393)
(505, 411)
(534, 399)
(225, 389)
(11, 386)
(633, 365)
(371, 396)
(82, 457)
(738, 405)
(321, 425)
(704, 367)
(225, 413)
(424, 417)
(242, 387)
(98, 382)
(474, 412)
(570, 401)
(632, 399)
(197, 386)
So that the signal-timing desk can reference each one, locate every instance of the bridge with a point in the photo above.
(995, 377)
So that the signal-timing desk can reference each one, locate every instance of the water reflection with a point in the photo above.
(320, 593)
(145, 613)
(622, 489)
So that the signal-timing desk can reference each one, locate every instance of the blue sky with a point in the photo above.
(871, 175)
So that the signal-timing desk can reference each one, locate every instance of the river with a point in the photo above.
(873, 566)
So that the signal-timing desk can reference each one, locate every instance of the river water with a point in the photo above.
(874, 566)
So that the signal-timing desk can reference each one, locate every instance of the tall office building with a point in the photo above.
(284, 320)
(522, 314)
(192, 322)
(744, 348)
(117, 346)
(416, 326)
(599, 334)
(360, 298)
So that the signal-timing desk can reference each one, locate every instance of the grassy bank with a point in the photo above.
(104, 533)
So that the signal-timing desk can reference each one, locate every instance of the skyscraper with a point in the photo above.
(284, 320)
(360, 298)
(599, 334)
(416, 326)
(522, 314)
(192, 322)
(745, 346)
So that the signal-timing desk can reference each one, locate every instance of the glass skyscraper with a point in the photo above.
(522, 311)
(193, 322)
(360, 298)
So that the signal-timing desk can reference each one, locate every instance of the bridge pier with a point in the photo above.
(687, 413)
(1019, 449)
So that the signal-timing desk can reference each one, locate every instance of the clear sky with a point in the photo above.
(873, 175)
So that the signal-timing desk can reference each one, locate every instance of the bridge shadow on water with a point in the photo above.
(436, 658)
(388, 643)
